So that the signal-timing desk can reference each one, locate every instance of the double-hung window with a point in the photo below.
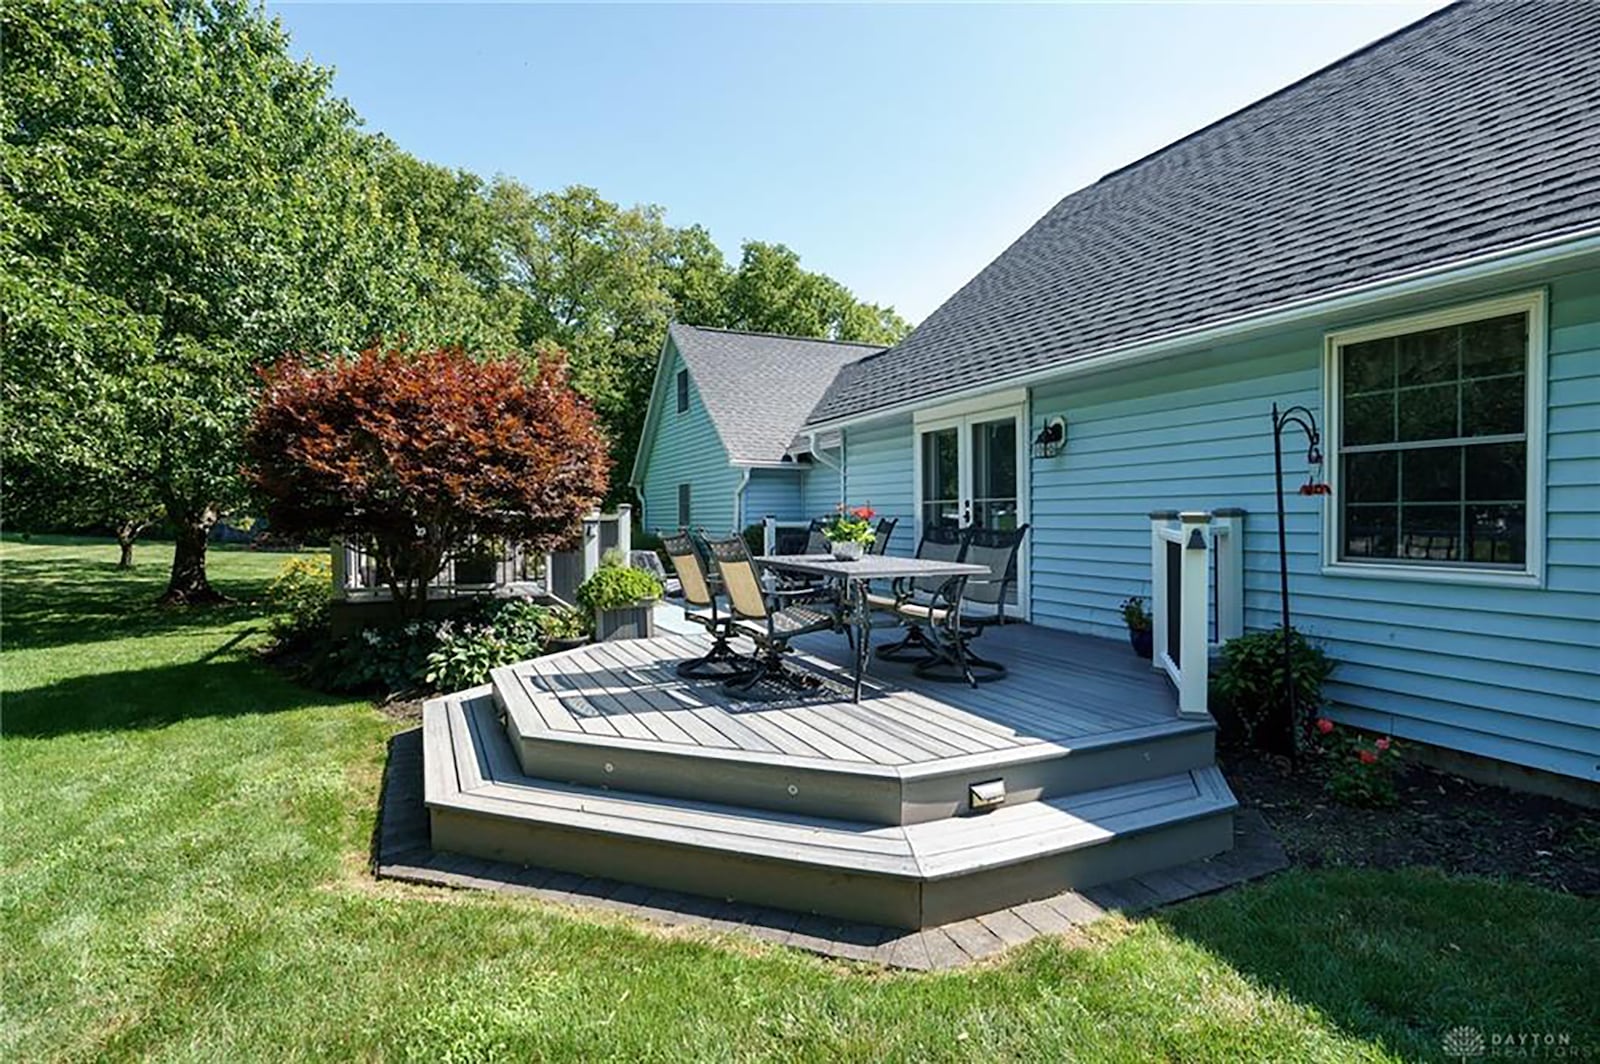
(1436, 428)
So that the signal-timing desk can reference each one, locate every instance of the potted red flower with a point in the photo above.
(849, 532)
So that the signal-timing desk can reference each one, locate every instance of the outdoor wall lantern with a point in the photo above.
(1052, 437)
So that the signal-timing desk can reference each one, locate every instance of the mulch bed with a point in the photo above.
(1441, 821)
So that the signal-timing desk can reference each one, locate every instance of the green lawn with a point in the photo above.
(184, 845)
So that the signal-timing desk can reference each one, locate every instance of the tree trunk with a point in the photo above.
(188, 585)
(127, 534)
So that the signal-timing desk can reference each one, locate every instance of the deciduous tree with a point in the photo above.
(419, 454)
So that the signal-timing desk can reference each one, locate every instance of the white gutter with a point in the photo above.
(816, 454)
(738, 499)
(1487, 265)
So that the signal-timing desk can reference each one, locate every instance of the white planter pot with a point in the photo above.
(848, 550)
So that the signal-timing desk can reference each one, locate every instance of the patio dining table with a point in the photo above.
(853, 579)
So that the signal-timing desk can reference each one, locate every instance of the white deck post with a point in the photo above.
(769, 535)
(1159, 519)
(625, 528)
(1228, 538)
(1194, 651)
(591, 546)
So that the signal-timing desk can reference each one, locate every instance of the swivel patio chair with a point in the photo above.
(997, 551)
(926, 599)
(763, 616)
(881, 534)
(721, 662)
(816, 542)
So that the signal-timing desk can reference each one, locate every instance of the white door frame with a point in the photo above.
(961, 417)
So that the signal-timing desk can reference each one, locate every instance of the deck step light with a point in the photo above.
(986, 795)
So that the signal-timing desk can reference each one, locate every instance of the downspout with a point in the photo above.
(817, 458)
(738, 499)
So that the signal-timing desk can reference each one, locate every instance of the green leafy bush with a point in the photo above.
(389, 660)
(613, 587)
(1250, 684)
(755, 539)
(562, 623)
(301, 598)
(467, 648)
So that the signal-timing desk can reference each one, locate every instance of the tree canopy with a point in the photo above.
(185, 201)
(418, 454)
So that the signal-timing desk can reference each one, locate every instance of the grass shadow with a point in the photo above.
(155, 697)
(1402, 957)
(59, 597)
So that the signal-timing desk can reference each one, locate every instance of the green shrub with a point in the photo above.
(301, 598)
(390, 660)
(563, 623)
(755, 539)
(467, 648)
(614, 587)
(1250, 683)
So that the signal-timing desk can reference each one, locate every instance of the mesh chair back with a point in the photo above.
(691, 573)
(881, 534)
(998, 551)
(941, 543)
(739, 577)
(816, 542)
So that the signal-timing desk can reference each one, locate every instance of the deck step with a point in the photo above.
(483, 804)
(1030, 766)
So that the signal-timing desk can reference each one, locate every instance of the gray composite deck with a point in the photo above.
(1060, 688)
(601, 761)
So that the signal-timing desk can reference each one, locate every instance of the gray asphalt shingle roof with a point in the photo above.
(1473, 130)
(758, 387)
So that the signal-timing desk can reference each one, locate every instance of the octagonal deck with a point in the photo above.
(1073, 713)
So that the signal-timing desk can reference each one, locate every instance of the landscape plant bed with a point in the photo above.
(1440, 821)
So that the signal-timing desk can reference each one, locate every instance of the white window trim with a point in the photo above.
(1534, 304)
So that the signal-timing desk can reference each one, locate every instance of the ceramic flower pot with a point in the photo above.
(1143, 641)
(848, 550)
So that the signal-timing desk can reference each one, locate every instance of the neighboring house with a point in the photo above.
(1407, 243)
(725, 409)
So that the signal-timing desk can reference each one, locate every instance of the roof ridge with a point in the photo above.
(783, 336)
(1276, 93)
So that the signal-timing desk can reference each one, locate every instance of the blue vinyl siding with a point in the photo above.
(823, 488)
(685, 449)
(878, 471)
(775, 492)
(1505, 672)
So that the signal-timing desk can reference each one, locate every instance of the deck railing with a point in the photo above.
(773, 531)
(356, 576)
(1196, 603)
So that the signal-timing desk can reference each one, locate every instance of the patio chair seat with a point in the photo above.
(918, 611)
(790, 622)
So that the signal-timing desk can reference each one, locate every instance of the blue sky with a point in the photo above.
(897, 147)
